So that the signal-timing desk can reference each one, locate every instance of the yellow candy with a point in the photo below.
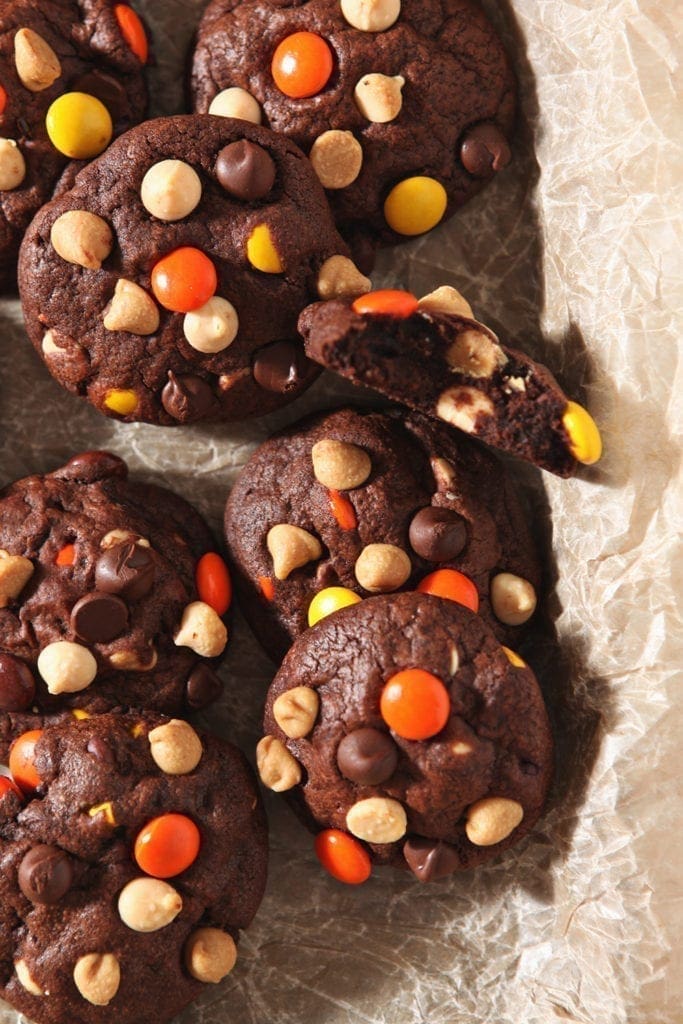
(585, 442)
(106, 809)
(261, 251)
(415, 205)
(122, 402)
(328, 601)
(514, 659)
(79, 125)
(80, 715)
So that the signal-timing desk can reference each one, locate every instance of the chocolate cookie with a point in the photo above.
(166, 285)
(109, 592)
(406, 733)
(435, 358)
(71, 76)
(133, 850)
(376, 502)
(405, 107)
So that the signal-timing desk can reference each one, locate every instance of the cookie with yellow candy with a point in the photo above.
(73, 77)
(433, 356)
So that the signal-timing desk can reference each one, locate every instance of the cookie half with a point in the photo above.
(133, 851)
(405, 734)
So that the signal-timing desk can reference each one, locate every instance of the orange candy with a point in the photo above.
(343, 856)
(389, 302)
(302, 65)
(21, 764)
(453, 585)
(3, 100)
(167, 845)
(7, 786)
(342, 510)
(213, 582)
(267, 587)
(184, 280)
(67, 556)
(415, 704)
(132, 31)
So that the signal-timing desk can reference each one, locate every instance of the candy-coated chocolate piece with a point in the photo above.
(415, 205)
(67, 555)
(261, 251)
(389, 302)
(302, 65)
(79, 125)
(514, 658)
(415, 704)
(133, 31)
(342, 510)
(8, 786)
(21, 761)
(330, 600)
(453, 585)
(167, 845)
(343, 857)
(213, 582)
(184, 280)
(122, 401)
(585, 442)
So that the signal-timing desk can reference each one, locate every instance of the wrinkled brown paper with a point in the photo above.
(575, 252)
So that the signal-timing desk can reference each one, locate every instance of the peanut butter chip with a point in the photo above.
(377, 820)
(175, 747)
(134, 661)
(446, 300)
(493, 819)
(381, 568)
(213, 327)
(337, 158)
(97, 977)
(210, 955)
(131, 310)
(296, 710)
(462, 407)
(26, 980)
(12, 165)
(379, 97)
(66, 667)
(36, 62)
(340, 278)
(15, 572)
(513, 598)
(148, 904)
(277, 769)
(236, 102)
(202, 630)
(82, 238)
(291, 548)
(340, 465)
(171, 190)
(475, 354)
(371, 15)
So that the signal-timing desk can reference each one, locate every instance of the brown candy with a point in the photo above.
(126, 569)
(367, 757)
(245, 170)
(187, 398)
(437, 534)
(98, 618)
(484, 151)
(17, 685)
(280, 367)
(430, 859)
(89, 467)
(45, 874)
(203, 687)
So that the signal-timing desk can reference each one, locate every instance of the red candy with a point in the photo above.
(302, 65)
(267, 587)
(389, 302)
(67, 556)
(3, 100)
(213, 582)
(132, 31)
(415, 704)
(167, 846)
(343, 856)
(342, 510)
(451, 584)
(7, 786)
(184, 280)
(21, 758)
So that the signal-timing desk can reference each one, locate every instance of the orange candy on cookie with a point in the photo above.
(167, 846)
(7, 786)
(302, 65)
(213, 582)
(343, 857)
(453, 585)
(21, 761)
(133, 31)
(184, 280)
(387, 302)
(415, 704)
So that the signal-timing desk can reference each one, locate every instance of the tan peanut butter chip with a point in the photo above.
(36, 62)
(371, 15)
(340, 278)
(213, 327)
(131, 310)
(175, 747)
(171, 190)
(377, 820)
(381, 568)
(337, 158)
(513, 598)
(236, 102)
(379, 97)
(26, 980)
(114, 537)
(202, 630)
(134, 661)
(12, 165)
(277, 768)
(462, 407)
(296, 710)
(339, 465)
(148, 904)
(290, 547)
(493, 819)
(210, 955)
(475, 354)
(82, 238)
(444, 473)
(15, 572)
(97, 977)
(66, 667)
(446, 300)
(49, 346)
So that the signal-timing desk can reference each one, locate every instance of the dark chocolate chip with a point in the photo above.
(245, 170)
(101, 750)
(281, 367)
(203, 687)
(187, 399)
(437, 534)
(529, 768)
(106, 89)
(45, 874)
(367, 757)
(99, 617)
(126, 569)
(17, 685)
(89, 467)
(430, 859)
(485, 150)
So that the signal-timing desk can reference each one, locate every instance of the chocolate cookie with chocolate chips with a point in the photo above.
(434, 357)
(133, 852)
(71, 77)
(110, 593)
(405, 107)
(165, 286)
(348, 504)
(405, 734)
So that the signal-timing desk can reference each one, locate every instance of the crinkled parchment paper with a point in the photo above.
(575, 252)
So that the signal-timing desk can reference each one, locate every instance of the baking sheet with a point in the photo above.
(574, 251)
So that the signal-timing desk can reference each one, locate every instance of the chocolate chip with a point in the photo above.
(437, 534)
(187, 399)
(99, 617)
(45, 874)
(245, 170)
(529, 768)
(281, 367)
(126, 569)
(367, 757)
(485, 150)
(203, 687)
(17, 685)
(106, 89)
(101, 750)
(430, 859)
(89, 467)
